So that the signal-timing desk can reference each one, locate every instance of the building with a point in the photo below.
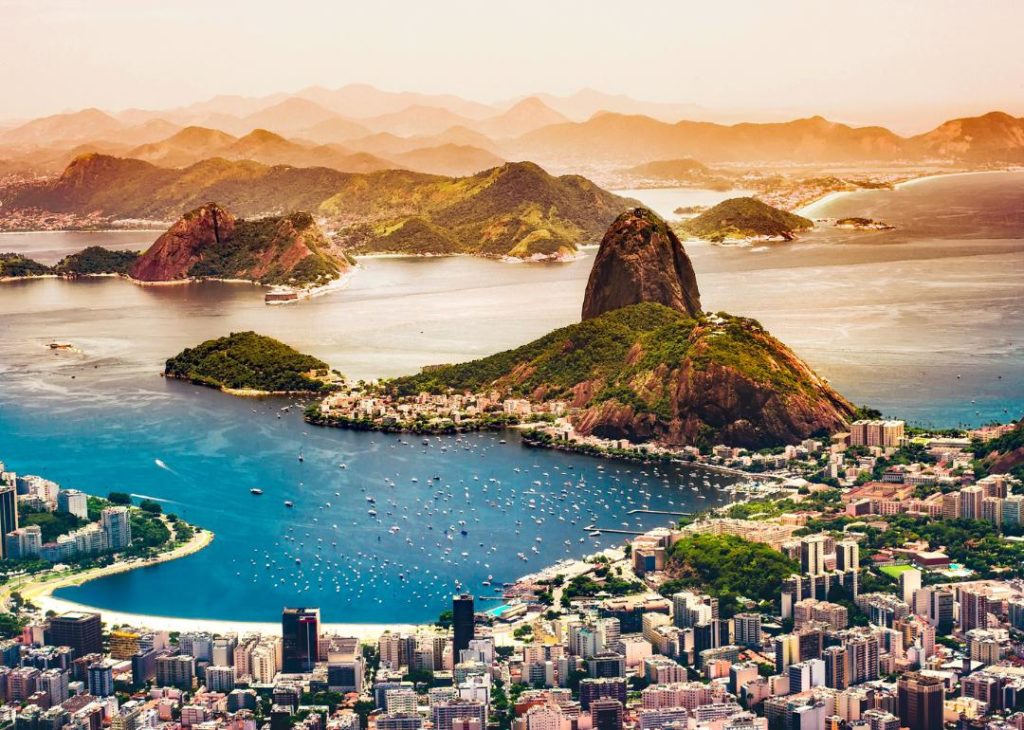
(910, 583)
(747, 629)
(883, 434)
(300, 632)
(82, 631)
(101, 679)
(606, 715)
(920, 700)
(116, 524)
(25, 542)
(175, 671)
(592, 690)
(8, 514)
(445, 712)
(220, 679)
(812, 554)
(463, 623)
(73, 502)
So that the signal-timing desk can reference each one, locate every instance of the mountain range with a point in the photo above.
(516, 209)
(557, 132)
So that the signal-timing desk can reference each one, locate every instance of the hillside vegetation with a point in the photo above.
(97, 260)
(649, 372)
(517, 209)
(248, 361)
(742, 218)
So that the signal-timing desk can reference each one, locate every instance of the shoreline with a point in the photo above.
(39, 590)
(805, 209)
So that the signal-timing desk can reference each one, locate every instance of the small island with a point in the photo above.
(745, 219)
(245, 363)
(17, 266)
(96, 261)
(863, 224)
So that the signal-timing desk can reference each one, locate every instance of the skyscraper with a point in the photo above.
(300, 634)
(118, 527)
(8, 514)
(812, 554)
(83, 632)
(462, 623)
(920, 701)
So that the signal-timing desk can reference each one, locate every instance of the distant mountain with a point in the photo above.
(449, 159)
(363, 100)
(336, 129)
(516, 209)
(995, 136)
(743, 218)
(630, 138)
(416, 121)
(527, 115)
(388, 145)
(685, 171)
(194, 144)
(123, 188)
(186, 147)
(210, 242)
(586, 103)
(289, 116)
(88, 124)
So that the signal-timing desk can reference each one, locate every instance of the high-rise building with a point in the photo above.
(812, 554)
(910, 581)
(116, 523)
(82, 631)
(920, 699)
(463, 622)
(443, 713)
(8, 514)
(883, 434)
(940, 610)
(861, 659)
(747, 629)
(101, 679)
(175, 671)
(971, 502)
(606, 714)
(847, 555)
(835, 667)
(73, 502)
(220, 679)
(300, 633)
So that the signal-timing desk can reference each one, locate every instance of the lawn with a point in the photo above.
(893, 571)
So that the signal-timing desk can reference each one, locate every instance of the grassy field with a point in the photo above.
(894, 571)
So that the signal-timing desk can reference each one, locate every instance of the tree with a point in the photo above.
(121, 498)
(148, 505)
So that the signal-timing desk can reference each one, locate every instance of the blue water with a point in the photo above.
(213, 448)
(891, 319)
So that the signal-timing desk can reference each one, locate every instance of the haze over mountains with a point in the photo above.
(358, 129)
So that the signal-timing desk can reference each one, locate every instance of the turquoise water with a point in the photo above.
(890, 318)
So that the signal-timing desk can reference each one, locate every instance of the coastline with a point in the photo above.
(806, 209)
(39, 590)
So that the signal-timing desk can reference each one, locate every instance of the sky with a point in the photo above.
(906, 64)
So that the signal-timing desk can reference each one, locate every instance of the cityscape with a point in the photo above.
(533, 366)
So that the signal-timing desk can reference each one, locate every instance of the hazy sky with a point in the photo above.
(905, 64)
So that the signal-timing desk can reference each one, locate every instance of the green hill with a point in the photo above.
(18, 265)
(248, 361)
(741, 218)
(516, 209)
(647, 372)
(97, 260)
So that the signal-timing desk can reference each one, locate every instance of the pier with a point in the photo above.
(658, 512)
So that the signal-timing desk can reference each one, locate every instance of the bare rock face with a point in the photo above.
(177, 250)
(641, 260)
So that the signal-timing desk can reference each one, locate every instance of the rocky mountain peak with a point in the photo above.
(641, 260)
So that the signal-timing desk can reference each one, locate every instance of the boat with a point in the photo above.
(289, 503)
(301, 458)
(256, 491)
